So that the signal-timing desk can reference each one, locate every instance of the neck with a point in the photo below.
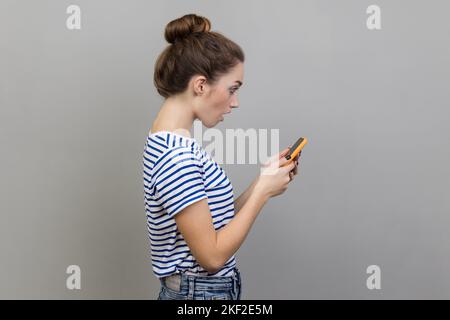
(176, 115)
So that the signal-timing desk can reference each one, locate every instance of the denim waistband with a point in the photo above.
(188, 283)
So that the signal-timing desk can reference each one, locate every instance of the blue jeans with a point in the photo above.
(191, 287)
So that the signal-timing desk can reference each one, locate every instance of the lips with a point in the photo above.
(223, 114)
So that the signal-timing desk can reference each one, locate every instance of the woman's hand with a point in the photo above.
(276, 173)
(294, 172)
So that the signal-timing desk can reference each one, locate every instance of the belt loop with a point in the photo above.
(238, 284)
(236, 274)
(235, 284)
(191, 284)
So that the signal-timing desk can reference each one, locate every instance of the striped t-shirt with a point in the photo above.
(178, 172)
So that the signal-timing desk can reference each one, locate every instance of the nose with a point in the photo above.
(234, 103)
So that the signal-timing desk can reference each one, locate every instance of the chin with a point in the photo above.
(210, 124)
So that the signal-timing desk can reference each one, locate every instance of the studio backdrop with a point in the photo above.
(367, 217)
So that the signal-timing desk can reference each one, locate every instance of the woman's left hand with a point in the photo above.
(294, 171)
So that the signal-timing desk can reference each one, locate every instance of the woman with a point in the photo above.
(193, 229)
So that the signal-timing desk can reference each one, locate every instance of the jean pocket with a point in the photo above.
(214, 295)
(169, 294)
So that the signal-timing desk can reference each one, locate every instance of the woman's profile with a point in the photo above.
(195, 224)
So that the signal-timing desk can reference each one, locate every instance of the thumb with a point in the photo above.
(284, 152)
(289, 165)
(274, 159)
(283, 161)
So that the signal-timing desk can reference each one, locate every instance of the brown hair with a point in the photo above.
(193, 49)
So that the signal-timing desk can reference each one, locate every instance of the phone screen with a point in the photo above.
(294, 147)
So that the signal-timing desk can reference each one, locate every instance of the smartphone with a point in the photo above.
(296, 148)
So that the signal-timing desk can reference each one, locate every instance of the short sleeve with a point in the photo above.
(179, 180)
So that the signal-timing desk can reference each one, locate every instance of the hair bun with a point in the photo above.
(182, 27)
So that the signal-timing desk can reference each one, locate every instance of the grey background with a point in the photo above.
(76, 107)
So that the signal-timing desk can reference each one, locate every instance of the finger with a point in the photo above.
(297, 165)
(295, 170)
(289, 166)
(284, 152)
(271, 160)
(298, 155)
(292, 175)
(297, 160)
(276, 157)
(283, 162)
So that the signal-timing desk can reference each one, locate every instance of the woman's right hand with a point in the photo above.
(274, 177)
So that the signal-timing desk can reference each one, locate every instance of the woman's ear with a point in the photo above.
(199, 84)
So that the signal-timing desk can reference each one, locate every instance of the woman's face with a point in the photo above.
(220, 97)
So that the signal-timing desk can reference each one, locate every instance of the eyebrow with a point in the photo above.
(240, 83)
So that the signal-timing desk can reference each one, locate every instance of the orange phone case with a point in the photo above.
(295, 149)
